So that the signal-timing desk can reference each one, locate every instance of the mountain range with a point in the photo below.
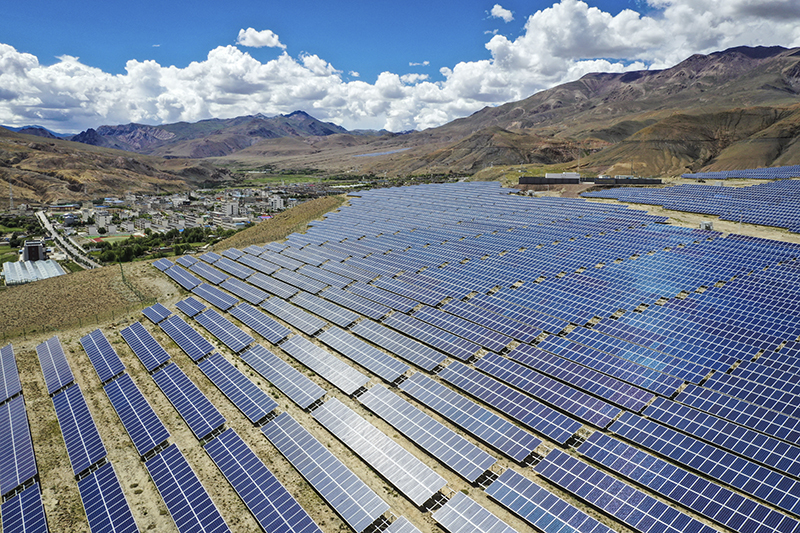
(738, 108)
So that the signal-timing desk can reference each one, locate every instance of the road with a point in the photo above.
(70, 247)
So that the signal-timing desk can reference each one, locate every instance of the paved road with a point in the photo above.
(70, 247)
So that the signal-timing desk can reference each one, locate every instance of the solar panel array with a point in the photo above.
(296, 386)
(215, 296)
(10, 385)
(362, 353)
(156, 313)
(104, 502)
(196, 410)
(334, 370)
(84, 445)
(223, 329)
(142, 424)
(260, 322)
(462, 514)
(17, 462)
(24, 512)
(249, 398)
(56, 370)
(145, 346)
(190, 341)
(294, 316)
(191, 306)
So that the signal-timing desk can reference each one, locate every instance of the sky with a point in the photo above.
(69, 66)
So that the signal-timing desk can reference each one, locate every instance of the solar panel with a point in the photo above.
(384, 297)
(479, 421)
(191, 306)
(186, 260)
(447, 446)
(249, 398)
(102, 355)
(539, 507)
(401, 525)
(84, 445)
(215, 296)
(186, 499)
(334, 370)
(305, 322)
(356, 303)
(505, 325)
(245, 291)
(183, 278)
(210, 257)
(147, 349)
(325, 276)
(362, 353)
(330, 311)
(272, 285)
(140, 421)
(285, 377)
(224, 330)
(163, 264)
(10, 385)
(462, 514)
(257, 263)
(156, 313)
(55, 368)
(190, 341)
(17, 463)
(417, 481)
(260, 322)
(194, 407)
(300, 281)
(234, 269)
(412, 351)
(282, 260)
(491, 340)
(518, 406)
(447, 342)
(355, 502)
(232, 253)
(104, 502)
(24, 512)
(271, 504)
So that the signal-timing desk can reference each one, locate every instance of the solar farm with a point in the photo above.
(436, 358)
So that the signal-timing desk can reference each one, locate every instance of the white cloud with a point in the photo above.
(259, 39)
(558, 44)
(423, 64)
(354, 74)
(499, 12)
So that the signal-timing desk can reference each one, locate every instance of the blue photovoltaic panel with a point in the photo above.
(417, 481)
(500, 323)
(305, 322)
(390, 299)
(194, 407)
(355, 502)
(216, 296)
(147, 349)
(156, 313)
(189, 339)
(325, 276)
(24, 512)
(257, 263)
(210, 257)
(447, 446)
(17, 463)
(260, 322)
(186, 499)
(272, 285)
(329, 311)
(462, 514)
(191, 306)
(412, 351)
(271, 504)
(282, 260)
(244, 290)
(232, 336)
(356, 303)
(186, 260)
(84, 445)
(540, 507)
(401, 525)
(447, 342)
(233, 268)
(102, 355)
(232, 253)
(209, 273)
(104, 502)
(9, 375)
(246, 395)
(325, 364)
(300, 281)
(633, 507)
(362, 353)
(284, 376)
(55, 368)
(518, 406)
(183, 278)
(163, 264)
(480, 422)
(140, 421)
(491, 340)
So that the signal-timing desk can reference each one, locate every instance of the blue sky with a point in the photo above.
(398, 65)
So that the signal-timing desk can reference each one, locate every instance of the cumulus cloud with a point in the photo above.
(499, 12)
(354, 74)
(558, 44)
(259, 39)
(422, 64)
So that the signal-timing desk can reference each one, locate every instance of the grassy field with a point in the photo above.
(7, 253)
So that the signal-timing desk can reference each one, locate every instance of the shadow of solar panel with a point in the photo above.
(156, 313)
(460, 455)
(447, 342)
(252, 401)
(478, 421)
(325, 364)
(622, 501)
(305, 322)
(362, 353)
(24, 512)
(191, 306)
(147, 349)
(285, 377)
(327, 310)
(405, 347)
(183, 278)
(163, 264)
(140, 421)
(186, 499)
(518, 406)
(84, 445)
(260, 322)
(55, 368)
(224, 330)
(271, 504)
(194, 407)
(17, 463)
(215, 296)
(350, 497)
(190, 341)
(462, 514)
(104, 502)
(245, 291)
(356, 303)
(704, 497)
(10, 385)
